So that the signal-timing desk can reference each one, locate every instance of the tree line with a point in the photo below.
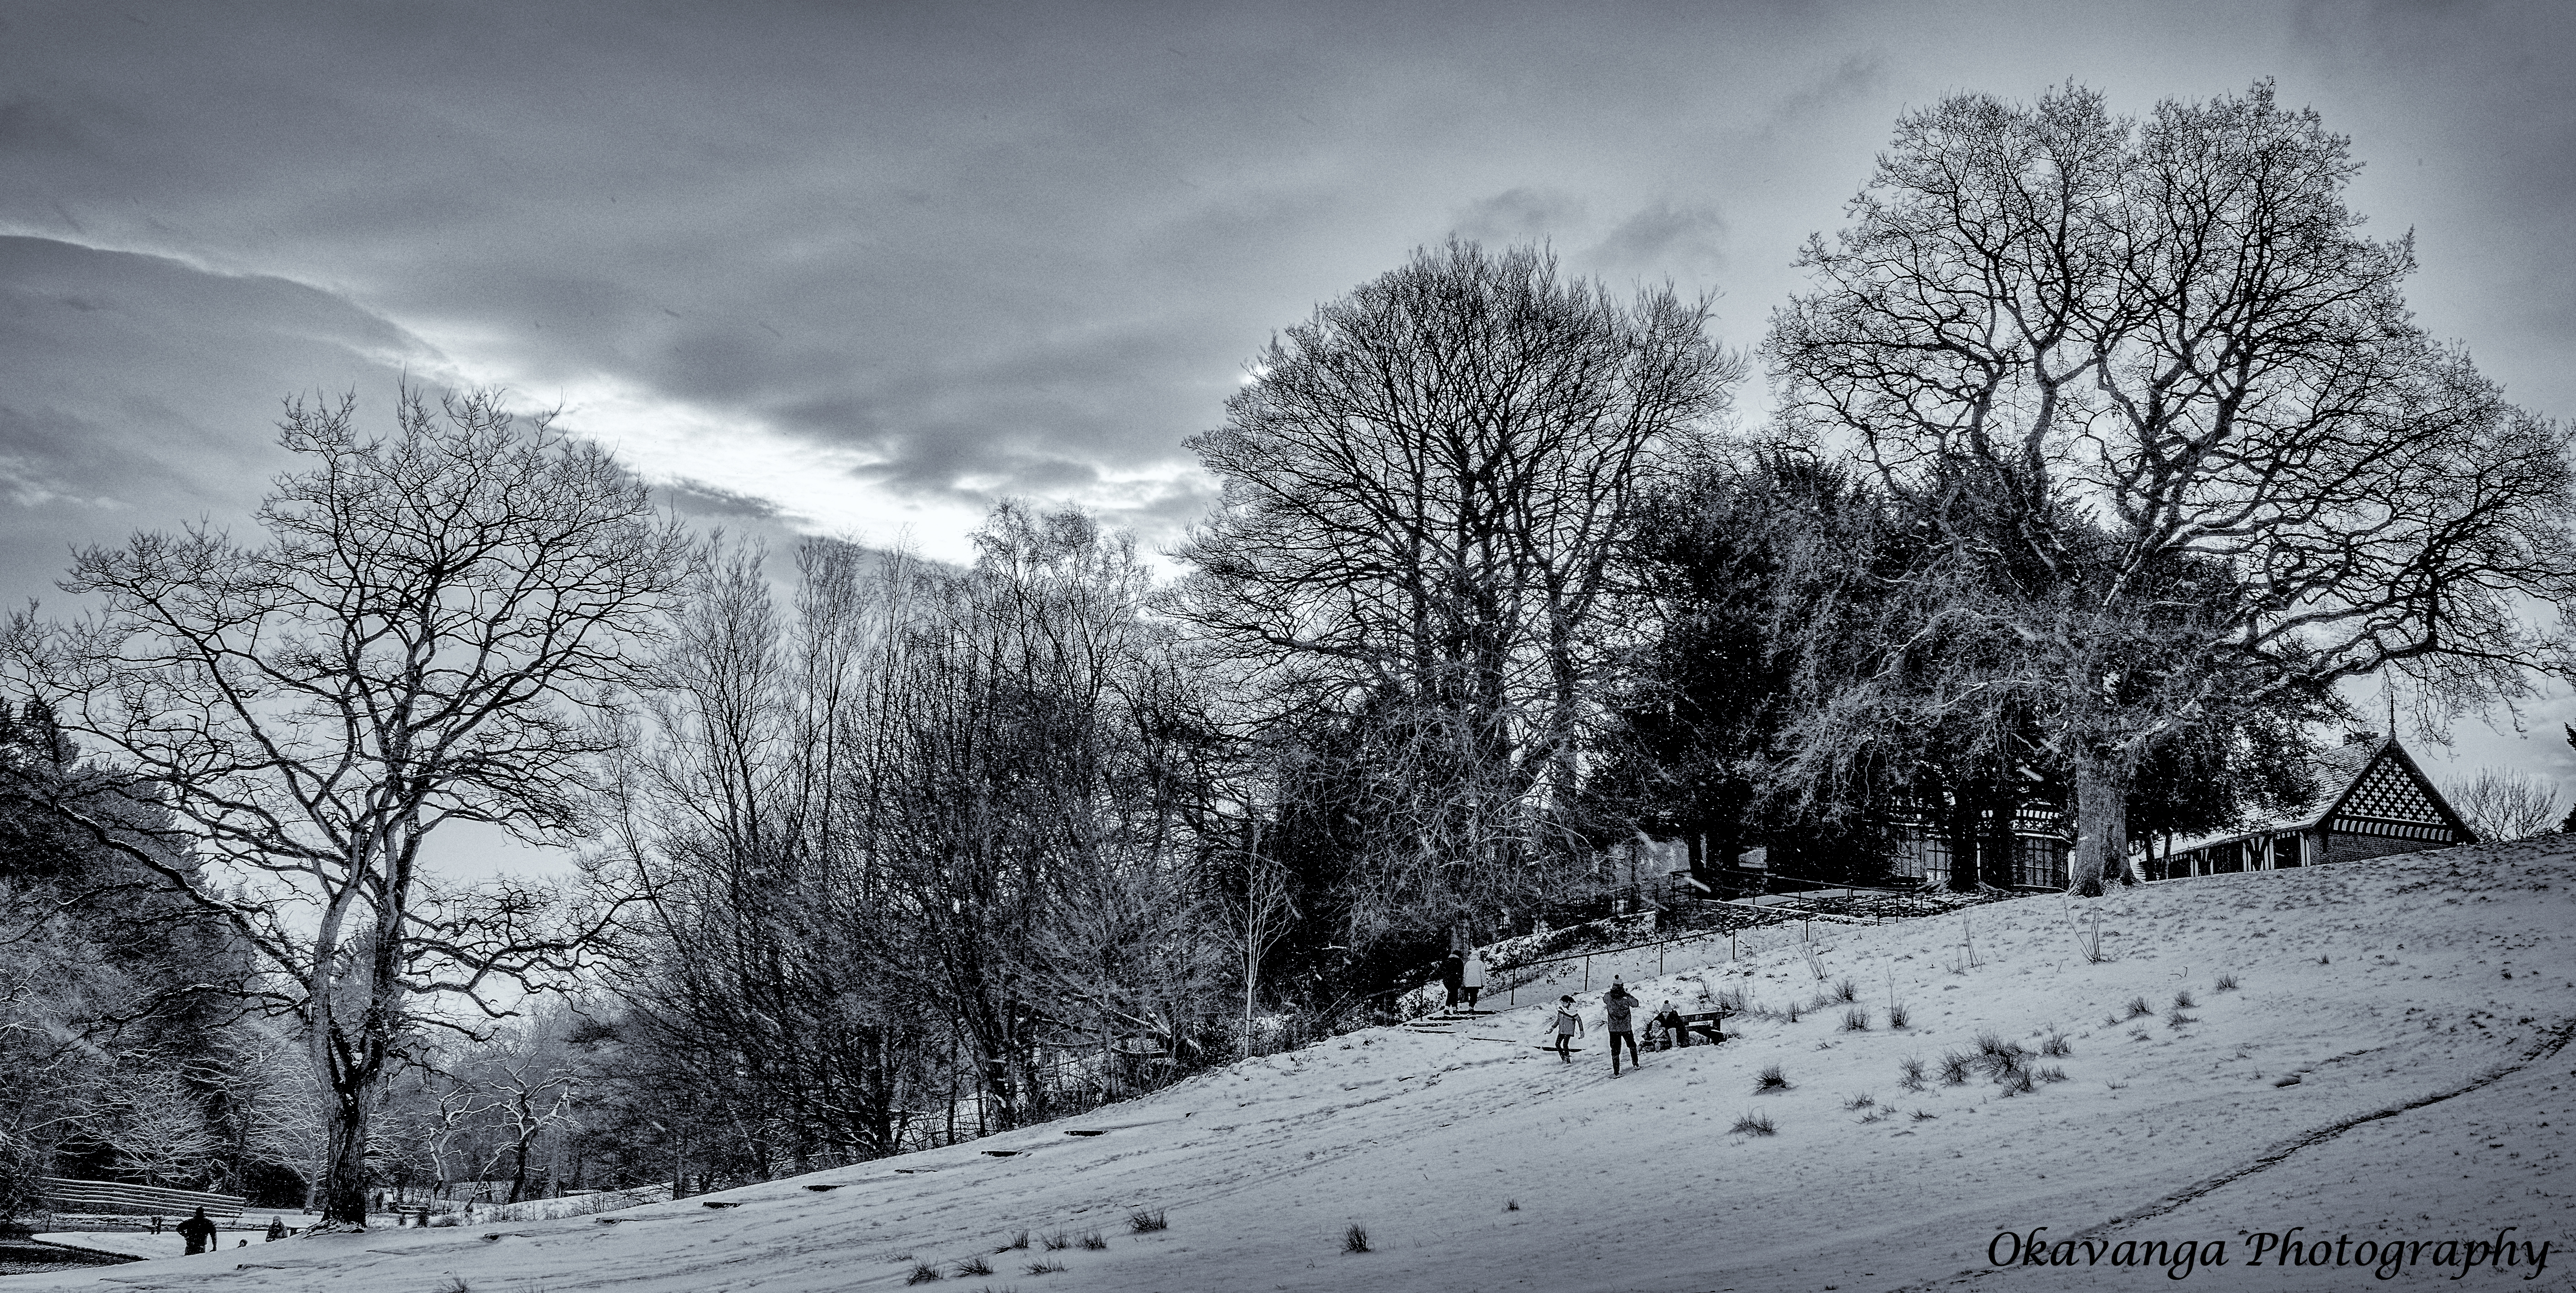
(2102, 450)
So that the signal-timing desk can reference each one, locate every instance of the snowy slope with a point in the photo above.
(1476, 1161)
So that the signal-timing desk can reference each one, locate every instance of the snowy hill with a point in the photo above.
(2390, 1066)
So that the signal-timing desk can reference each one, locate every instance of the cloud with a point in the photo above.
(1662, 239)
(1526, 214)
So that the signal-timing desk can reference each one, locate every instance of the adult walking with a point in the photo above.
(1620, 1007)
(198, 1231)
(1453, 974)
(1471, 976)
(1569, 1023)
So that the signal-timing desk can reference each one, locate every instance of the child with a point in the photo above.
(1620, 1006)
(1568, 1024)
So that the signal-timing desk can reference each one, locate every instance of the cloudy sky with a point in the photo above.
(863, 269)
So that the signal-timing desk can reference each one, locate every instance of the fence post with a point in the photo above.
(1587, 971)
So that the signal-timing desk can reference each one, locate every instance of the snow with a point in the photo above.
(1477, 1161)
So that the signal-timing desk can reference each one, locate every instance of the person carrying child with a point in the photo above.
(1620, 1007)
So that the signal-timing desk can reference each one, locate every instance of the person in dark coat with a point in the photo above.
(1453, 975)
(1673, 1026)
(198, 1231)
(276, 1229)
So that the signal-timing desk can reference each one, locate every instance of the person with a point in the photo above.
(1568, 1023)
(198, 1231)
(276, 1229)
(1675, 1029)
(1471, 977)
(1452, 976)
(1619, 1006)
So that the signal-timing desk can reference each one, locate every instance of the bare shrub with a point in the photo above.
(1912, 1069)
(1954, 1068)
(1846, 991)
(1355, 1239)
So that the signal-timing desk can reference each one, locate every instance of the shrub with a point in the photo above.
(1048, 1267)
(974, 1266)
(922, 1273)
(1092, 1241)
(2017, 1082)
(1856, 1020)
(1846, 991)
(1771, 1080)
(1355, 1239)
(2056, 1046)
(2226, 983)
(1142, 1222)
(1954, 1068)
(1912, 1071)
(2183, 1001)
(2138, 1006)
(1754, 1124)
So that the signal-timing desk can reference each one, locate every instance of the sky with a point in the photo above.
(866, 269)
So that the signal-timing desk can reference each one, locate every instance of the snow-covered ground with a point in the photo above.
(1476, 1161)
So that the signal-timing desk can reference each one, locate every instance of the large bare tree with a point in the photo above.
(2115, 356)
(436, 629)
(1426, 487)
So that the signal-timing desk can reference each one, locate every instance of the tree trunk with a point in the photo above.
(344, 1154)
(2101, 826)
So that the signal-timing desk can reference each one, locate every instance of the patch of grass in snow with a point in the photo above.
(2226, 983)
(1898, 1016)
(1954, 1068)
(1057, 1242)
(2183, 1001)
(2177, 1019)
(1144, 1223)
(1858, 1103)
(974, 1266)
(1910, 1073)
(1922, 1116)
(2138, 1006)
(922, 1273)
(1355, 1239)
(1754, 1124)
(1846, 991)
(2056, 1046)
(1771, 1080)
(1091, 1241)
(1856, 1020)
(1018, 1241)
(1048, 1267)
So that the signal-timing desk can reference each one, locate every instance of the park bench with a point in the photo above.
(1707, 1024)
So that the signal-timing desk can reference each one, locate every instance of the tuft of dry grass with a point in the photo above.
(1144, 1223)
(1355, 1239)
(1771, 1079)
(1754, 1124)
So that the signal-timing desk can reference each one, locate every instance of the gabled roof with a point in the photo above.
(2346, 777)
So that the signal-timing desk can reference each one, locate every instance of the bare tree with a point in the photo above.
(435, 630)
(2502, 805)
(2121, 358)
(1426, 486)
